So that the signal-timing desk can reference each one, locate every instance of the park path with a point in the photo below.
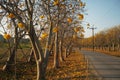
(108, 67)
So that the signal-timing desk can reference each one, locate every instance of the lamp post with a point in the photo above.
(92, 28)
(119, 43)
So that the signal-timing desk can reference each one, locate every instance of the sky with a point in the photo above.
(102, 14)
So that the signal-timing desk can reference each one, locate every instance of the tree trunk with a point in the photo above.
(113, 46)
(109, 47)
(69, 50)
(56, 57)
(47, 53)
(60, 51)
(12, 58)
(118, 47)
(65, 54)
(51, 49)
(38, 54)
(10, 61)
(31, 56)
(40, 70)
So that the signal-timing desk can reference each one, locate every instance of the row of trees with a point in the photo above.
(49, 24)
(106, 40)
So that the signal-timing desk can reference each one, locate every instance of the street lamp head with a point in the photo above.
(88, 24)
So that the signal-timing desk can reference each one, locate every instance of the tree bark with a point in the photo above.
(40, 70)
(47, 53)
(60, 51)
(31, 56)
(118, 47)
(38, 53)
(69, 50)
(56, 59)
(10, 61)
(65, 54)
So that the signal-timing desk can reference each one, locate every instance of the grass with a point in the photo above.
(73, 68)
(112, 53)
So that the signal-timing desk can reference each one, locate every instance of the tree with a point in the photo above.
(106, 39)
(25, 14)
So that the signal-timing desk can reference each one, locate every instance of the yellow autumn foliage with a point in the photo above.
(56, 2)
(6, 36)
(76, 29)
(55, 29)
(81, 4)
(69, 20)
(74, 36)
(80, 16)
(44, 35)
(42, 16)
(81, 35)
(20, 25)
(11, 15)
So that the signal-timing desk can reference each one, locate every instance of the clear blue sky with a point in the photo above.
(103, 14)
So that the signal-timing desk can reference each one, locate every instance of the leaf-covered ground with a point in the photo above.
(73, 68)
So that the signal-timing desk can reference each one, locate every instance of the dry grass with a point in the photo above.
(113, 53)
